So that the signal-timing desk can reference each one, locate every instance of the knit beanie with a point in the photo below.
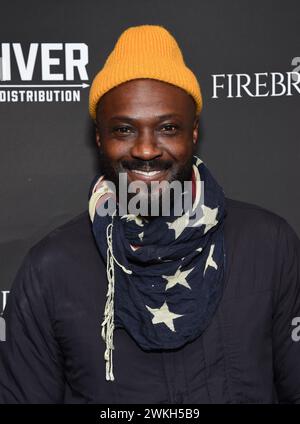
(145, 51)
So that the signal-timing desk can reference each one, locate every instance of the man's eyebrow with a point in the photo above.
(159, 117)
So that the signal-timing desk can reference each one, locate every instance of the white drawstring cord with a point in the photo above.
(108, 322)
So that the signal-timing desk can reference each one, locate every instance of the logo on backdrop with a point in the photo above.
(3, 299)
(43, 72)
(4, 294)
(259, 84)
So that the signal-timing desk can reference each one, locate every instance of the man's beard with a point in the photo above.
(180, 173)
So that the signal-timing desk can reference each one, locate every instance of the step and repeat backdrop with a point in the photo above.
(245, 54)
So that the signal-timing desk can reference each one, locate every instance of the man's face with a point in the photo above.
(147, 129)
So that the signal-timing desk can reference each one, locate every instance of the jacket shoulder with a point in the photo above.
(73, 240)
(251, 216)
(257, 229)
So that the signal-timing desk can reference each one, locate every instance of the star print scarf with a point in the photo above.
(165, 292)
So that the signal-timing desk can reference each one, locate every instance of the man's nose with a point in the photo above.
(146, 147)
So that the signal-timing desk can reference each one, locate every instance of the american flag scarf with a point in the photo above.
(165, 292)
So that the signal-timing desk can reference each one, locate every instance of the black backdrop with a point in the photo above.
(48, 155)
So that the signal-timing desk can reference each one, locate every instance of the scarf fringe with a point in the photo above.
(108, 322)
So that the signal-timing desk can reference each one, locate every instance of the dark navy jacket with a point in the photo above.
(54, 350)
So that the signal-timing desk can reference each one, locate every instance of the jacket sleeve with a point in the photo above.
(31, 368)
(286, 313)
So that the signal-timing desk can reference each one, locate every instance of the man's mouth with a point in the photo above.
(147, 175)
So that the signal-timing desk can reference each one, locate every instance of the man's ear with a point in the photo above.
(196, 129)
(97, 135)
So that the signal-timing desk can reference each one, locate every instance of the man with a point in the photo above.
(135, 308)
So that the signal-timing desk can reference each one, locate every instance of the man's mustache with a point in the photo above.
(146, 165)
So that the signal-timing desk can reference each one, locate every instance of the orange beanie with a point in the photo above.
(145, 51)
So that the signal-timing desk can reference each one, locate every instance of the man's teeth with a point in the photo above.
(148, 174)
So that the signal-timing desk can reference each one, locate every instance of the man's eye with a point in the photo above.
(122, 130)
(169, 128)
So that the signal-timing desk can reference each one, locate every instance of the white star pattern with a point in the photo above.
(198, 161)
(179, 224)
(164, 315)
(208, 218)
(178, 278)
(209, 260)
(141, 235)
(131, 217)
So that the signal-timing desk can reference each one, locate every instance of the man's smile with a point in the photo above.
(151, 175)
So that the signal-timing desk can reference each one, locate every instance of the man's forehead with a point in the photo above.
(154, 115)
(146, 95)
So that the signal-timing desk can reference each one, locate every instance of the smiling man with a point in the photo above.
(143, 308)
